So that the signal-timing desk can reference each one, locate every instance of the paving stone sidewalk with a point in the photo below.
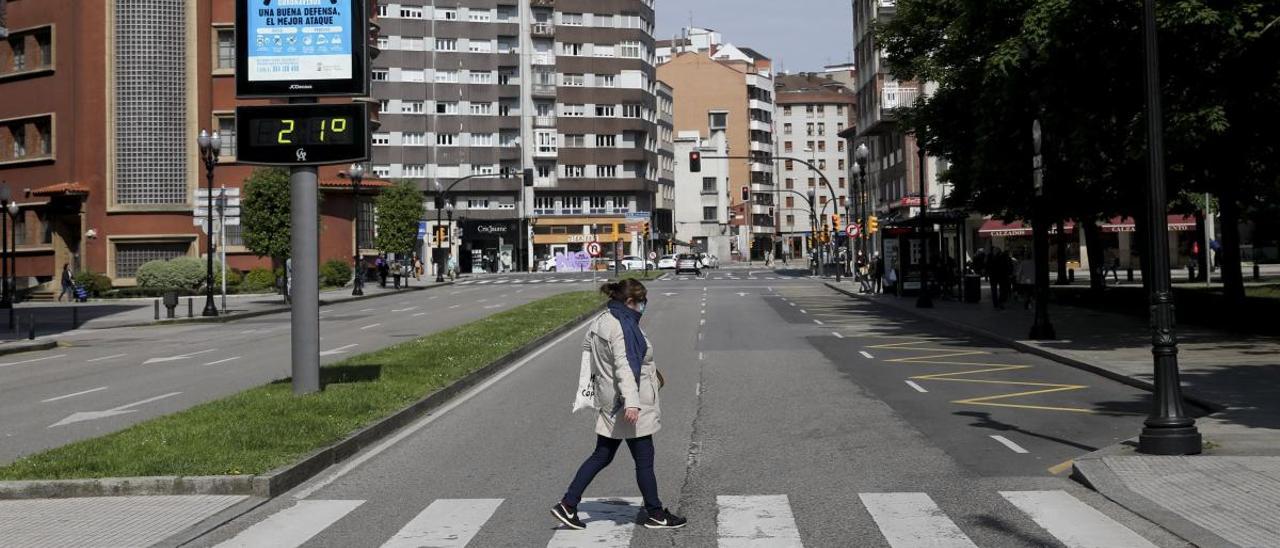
(1230, 495)
(104, 522)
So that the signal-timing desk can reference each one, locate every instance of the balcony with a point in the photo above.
(542, 3)
(544, 121)
(894, 96)
(545, 152)
(543, 29)
(543, 59)
(544, 90)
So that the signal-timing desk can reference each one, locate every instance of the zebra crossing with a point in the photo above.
(904, 519)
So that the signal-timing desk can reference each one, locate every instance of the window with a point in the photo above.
(790, 165)
(596, 204)
(808, 130)
(575, 171)
(413, 107)
(606, 111)
(575, 80)
(18, 134)
(18, 47)
(130, 256)
(481, 109)
(822, 200)
(822, 146)
(368, 217)
(822, 109)
(226, 49)
(604, 51)
(381, 139)
(808, 111)
(606, 172)
(544, 204)
(446, 107)
(410, 12)
(446, 76)
(840, 147)
(382, 10)
(786, 129)
(446, 44)
(822, 128)
(413, 44)
(477, 203)
(20, 229)
(709, 213)
(812, 182)
(606, 141)
(791, 201)
(481, 139)
(606, 80)
(718, 120)
(604, 21)
(414, 138)
(446, 14)
(415, 170)
(235, 235)
(573, 111)
(840, 164)
(546, 141)
(480, 46)
(791, 220)
(791, 184)
(382, 171)
(708, 185)
(571, 19)
(479, 16)
(481, 77)
(407, 75)
(227, 131)
(786, 110)
(569, 48)
(630, 49)
(576, 140)
(378, 75)
(632, 111)
(786, 147)
(822, 165)
(384, 106)
(447, 139)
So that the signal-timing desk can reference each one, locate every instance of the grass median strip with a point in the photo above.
(266, 427)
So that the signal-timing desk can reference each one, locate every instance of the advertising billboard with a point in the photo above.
(301, 48)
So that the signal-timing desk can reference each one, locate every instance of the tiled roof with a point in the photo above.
(61, 188)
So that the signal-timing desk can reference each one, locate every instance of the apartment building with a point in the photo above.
(735, 97)
(471, 92)
(813, 109)
(702, 199)
(102, 103)
(664, 208)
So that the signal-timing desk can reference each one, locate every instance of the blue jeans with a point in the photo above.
(606, 448)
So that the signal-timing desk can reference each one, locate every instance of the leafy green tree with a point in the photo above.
(265, 212)
(399, 209)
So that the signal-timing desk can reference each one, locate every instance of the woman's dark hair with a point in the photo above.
(625, 289)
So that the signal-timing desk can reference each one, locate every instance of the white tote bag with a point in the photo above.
(585, 398)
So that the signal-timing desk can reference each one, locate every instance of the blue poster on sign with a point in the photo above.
(299, 40)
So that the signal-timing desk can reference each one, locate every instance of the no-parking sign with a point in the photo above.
(853, 230)
(593, 249)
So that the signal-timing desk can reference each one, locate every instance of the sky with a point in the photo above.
(797, 39)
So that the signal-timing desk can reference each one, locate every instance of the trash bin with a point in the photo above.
(972, 288)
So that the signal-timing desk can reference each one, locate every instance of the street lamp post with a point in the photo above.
(210, 146)
(860, 156)
(925, 300)
(5, 299)
(11, 280)
(1041, 329)
(357, 176)
(439, 244)
(1168, 430)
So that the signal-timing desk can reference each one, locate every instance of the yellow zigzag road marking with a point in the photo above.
(941, 353)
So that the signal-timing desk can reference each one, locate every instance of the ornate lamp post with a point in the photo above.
(1168, 431)
(210, 146)
(860, 156)
(357, 176)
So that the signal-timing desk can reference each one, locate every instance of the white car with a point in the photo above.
(632, 262)
(667, 262)
(547, 265)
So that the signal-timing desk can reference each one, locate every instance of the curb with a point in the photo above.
(15, 348)
(280, 480)
(1187, 396)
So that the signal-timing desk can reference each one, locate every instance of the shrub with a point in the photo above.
(258, 280)
(182, 273)
(335, 273)
(97, 284)
(234, 277)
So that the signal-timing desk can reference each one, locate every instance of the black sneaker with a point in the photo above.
(567, 516)
(664, 519)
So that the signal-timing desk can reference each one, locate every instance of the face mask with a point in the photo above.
(640, 307)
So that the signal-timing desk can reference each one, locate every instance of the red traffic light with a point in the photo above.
(695, 162)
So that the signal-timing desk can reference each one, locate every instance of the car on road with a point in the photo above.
(667, 262)
(547, 265)
(632, 262)
(688, 263)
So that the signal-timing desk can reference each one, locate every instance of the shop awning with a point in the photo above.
(1177, 223)
(61, 189)
(995, 228)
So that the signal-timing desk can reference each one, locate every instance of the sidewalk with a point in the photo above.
(1228, 496)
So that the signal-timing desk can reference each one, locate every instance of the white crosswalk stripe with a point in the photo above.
(445, 523)
(905, 519)
(1074, 523)
(294, 525)
(913, 520)
(749, 521)
(610, 522)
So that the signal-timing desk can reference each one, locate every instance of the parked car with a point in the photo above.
(667, 262)
(632, 262)
(547, 265)
(688, 263)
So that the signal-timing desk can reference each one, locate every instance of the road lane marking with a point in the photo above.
(702, 321)
(483, 301)
(819, 322)
(420, 314)
(104, 358)
(866, 355)
(223, 361)
(837, 334)
(1061, 467)
(610, 522)
(32, 360)
(406, 309)
(918, 388)
(293, 526)
(407, 431)
(367, 309)
(339, 350)
(493, 306)
(911, 520)
(699, 356)
(119, 410)
(456, 306)
(446, 523)
(178, 357)
(791, 303)
(762, 520)
(89, 391)
(370, 326)
(1074, 523)
(803, 311)
(1009, 443)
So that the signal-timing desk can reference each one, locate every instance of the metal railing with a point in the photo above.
(898, 96)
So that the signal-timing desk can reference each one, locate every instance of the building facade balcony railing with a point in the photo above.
(892, 97)
(544, 121)
(543, 59)
(542, 3)
(544, 90)
(543, 29)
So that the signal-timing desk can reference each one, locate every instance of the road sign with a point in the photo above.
(202, 211)
(593, 249)
(302, 135)
(203, 192)
(653, 255)
(639, 215)
(853, 230)
(301, 48)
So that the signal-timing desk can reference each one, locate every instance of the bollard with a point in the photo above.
(1071, 275)
(190, 308)
(1257, 272)
(31, 321)
(1191, 272)
(75, 317)
(1131, 273)
(157, 303)
(12, 327)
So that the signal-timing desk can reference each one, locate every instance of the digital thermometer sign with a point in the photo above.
(303, 134)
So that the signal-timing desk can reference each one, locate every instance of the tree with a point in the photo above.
(265, 214)
(399, 210)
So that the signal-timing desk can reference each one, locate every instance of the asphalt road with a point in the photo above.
(776, 432)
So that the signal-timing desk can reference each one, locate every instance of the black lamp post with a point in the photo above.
(860, 156)
(11, 280)
(6, 300)
(1168, 431)
(925, 300)
(1041, 328)
(210, 146)
(357, 176)
(440, 202)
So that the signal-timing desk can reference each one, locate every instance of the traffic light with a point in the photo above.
(528, 177)
(746, 194)
(835, 221)
(695, 162)
(873, 224)
(644, 229)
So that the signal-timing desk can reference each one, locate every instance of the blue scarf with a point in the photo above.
(636, 345)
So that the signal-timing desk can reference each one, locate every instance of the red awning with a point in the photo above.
(995, 228)
(1177, 223)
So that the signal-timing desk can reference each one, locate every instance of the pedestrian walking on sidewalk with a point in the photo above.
(877, 275)
(619, 359)
(998, 272)
(68, 283)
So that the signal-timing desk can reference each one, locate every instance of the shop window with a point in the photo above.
(130, 256)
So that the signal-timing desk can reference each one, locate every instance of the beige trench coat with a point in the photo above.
(616, 384)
